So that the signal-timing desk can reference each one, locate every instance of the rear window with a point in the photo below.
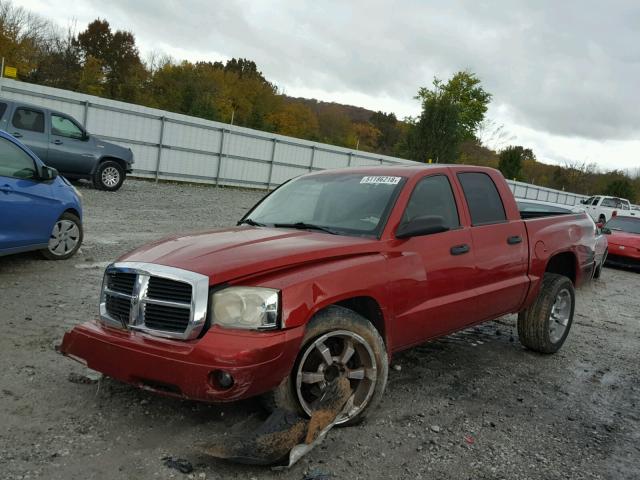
(28, 119)
(485, 204)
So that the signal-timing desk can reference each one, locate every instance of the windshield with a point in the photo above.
(624, 224)
(341, 203)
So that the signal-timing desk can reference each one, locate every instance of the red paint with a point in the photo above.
(422, 290)
(624, 248)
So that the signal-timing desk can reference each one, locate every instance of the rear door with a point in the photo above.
(440, 299)
(28, 124)
(28, 207)
(69, 150)
(500, 247)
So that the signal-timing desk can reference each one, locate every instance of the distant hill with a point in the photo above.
(355, 114)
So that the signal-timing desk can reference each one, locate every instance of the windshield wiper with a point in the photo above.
(305, 226)
(251, 222)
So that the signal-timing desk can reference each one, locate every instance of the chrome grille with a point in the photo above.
(171, 319)
(156, 299)
(164, 289)
(121, 282)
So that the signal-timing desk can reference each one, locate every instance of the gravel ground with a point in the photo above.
(474, 405)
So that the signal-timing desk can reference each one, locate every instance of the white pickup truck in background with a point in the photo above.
(601, 208)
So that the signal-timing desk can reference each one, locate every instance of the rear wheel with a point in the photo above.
(338, 343)
(598, 271)
(65, 239)
(544, 326)
(109, 176)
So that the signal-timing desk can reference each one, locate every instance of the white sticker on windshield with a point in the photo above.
(378, 180)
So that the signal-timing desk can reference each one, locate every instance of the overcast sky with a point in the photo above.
(565, 76)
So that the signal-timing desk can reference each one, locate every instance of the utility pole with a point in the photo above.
(1, 75)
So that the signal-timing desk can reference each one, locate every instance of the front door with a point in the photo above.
(69, 150)
(27, 205)
(438, 297)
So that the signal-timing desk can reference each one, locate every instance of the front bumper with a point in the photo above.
(623, 261)
(258, 361)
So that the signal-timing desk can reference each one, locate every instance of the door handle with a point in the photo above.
(515, 239)
(16, 134)
(6, 188)
(57, 142)
(459, 249)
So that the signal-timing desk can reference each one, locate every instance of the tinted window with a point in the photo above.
(14, 162)
(65, 127)
(624, 224)
(485, 204)
(3, 108)
(433, 196)
(27, 119)
(595, 201)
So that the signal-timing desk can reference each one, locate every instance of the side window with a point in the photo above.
(609, 202)
(28, 119)
(433, 196)
(485, 204)
(14, 162)
(3, 108)
(65, 127)
(595, 201)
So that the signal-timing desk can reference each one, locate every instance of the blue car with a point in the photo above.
(39, 210)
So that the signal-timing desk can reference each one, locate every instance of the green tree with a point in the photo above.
(123, 71)
(511, 160)
(436, 134)
(621, 187)
(390, 132)
(465, 91)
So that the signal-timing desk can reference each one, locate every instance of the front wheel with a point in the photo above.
(65, 239)
(544, 326)
(338, 343)
(109, 176)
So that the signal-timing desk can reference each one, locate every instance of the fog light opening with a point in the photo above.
(222, 379)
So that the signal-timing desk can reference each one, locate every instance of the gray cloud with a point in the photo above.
(568, 68)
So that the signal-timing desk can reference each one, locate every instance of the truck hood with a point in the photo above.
(228, 254)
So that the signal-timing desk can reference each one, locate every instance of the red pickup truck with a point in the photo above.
(328, 276)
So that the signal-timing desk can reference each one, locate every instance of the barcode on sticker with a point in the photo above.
(377, 180)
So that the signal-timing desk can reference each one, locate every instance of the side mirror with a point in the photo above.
(85, 136)
(584, 202)
(605, 230)
(419, 226)
(48, 173)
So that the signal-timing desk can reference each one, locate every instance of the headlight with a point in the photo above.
(250, 308)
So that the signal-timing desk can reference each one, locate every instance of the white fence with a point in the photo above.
(172, 146)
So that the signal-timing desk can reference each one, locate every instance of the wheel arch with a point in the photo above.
(106, 158)
(563, 263)
(365, 306)
(73, 211)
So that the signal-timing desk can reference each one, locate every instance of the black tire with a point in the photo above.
(109, 176)
(334, 319)
(535, 323)
(50, 253)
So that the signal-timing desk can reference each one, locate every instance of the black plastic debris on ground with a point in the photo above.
(180, 464)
